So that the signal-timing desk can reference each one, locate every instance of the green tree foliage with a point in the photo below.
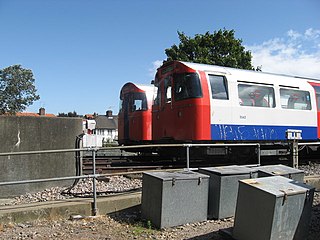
(17, 90)
(220, 48)
(69, 114)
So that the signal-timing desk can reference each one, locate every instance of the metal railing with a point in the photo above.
(94, 150)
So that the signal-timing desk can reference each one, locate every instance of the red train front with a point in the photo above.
(135, 113)
(181, 110)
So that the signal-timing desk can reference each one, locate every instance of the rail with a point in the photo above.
(94, 150)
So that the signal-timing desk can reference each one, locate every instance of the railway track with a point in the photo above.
(117, 164)
(120, 163)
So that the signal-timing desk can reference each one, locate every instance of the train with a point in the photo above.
(201, 103)
(135, 114)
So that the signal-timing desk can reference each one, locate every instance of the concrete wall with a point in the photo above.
(19, 133)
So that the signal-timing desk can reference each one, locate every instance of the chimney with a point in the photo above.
(109, 113)
(42, 111)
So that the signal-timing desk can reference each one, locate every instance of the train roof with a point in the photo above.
(148, 89)
(130, 86)
(145, 87)
(230, 71)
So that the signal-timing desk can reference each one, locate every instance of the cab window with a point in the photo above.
(167, 89)
(186, 86)
(157, 99)
(139, 102)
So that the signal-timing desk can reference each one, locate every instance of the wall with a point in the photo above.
(21, 133)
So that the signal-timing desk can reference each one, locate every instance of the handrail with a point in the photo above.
(95, 149)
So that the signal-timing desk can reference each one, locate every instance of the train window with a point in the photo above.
(187, 85)
(120, 105)
(139, 102)
(219, 88)
(317, 90)
(124, 103)
(157, 99)
(167, 89)
(295, 99)
(256, 96)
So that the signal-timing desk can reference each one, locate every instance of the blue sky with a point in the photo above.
(82, 52)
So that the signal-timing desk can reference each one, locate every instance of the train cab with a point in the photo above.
(181, 110)
(134, 122)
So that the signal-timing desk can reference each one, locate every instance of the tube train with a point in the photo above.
(199, 103)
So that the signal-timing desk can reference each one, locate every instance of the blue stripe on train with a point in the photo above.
(258, 132)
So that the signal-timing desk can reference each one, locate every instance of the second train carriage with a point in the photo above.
(202, 103)
(135, 120)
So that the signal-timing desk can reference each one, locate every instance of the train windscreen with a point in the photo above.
(187, 85)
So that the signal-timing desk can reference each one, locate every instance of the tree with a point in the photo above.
(220, 48)
(17, 90)
(69, 114)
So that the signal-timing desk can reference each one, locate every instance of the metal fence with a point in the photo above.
(94, 151)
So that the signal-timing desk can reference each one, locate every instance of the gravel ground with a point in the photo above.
(105, 186)
(124, 225)
(311, 169)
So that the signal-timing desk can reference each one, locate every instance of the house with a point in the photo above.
(42, 113)
(107, 127)
(100, 129)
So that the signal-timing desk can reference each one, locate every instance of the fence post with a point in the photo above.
(188, 157)
(259, 154)
(94, 190)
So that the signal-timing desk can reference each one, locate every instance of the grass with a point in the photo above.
(141, 228)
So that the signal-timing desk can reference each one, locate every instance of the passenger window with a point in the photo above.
(187, 85)
(295, 99)
(219, 89)
(256, 96)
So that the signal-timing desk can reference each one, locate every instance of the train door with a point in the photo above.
(316, 87)
(164, 110)
(164, 118)
(221, 108)
(125, 109)
(138, 117)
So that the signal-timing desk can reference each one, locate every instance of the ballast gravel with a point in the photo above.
(83, 188)
(127, 224)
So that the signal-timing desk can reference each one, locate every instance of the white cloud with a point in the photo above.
(293, 34)
(312, 33)
(155, 65)
(295, 54)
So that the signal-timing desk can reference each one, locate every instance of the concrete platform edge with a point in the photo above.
(313, 181)
(65, 208)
